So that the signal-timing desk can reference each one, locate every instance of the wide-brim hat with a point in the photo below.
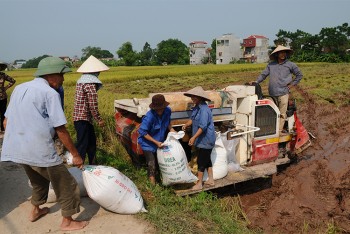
(199, 92)
(51, 65)
(158, 102)
(278, 49)
(3, 66)
(92, 65)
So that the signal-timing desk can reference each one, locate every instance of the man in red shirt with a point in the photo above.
(86, 107)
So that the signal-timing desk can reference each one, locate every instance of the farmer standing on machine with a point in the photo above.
(281, 72)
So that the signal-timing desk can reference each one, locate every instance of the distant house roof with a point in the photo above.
(65, 58)
(198, 42)
(256, 36)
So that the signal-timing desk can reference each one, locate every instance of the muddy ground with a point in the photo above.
(313, 194)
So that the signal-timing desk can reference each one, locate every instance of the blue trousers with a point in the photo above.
(86, 140)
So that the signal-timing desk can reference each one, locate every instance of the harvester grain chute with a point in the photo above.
(239, 114)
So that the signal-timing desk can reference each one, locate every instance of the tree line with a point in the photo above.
(329, 45)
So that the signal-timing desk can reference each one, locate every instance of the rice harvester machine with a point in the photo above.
(240, 114)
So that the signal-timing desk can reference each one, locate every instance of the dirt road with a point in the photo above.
(15, 206)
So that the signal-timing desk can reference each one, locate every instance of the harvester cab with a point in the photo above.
(239, 114)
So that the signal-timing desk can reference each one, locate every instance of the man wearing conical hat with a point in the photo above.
(86, 107)
(281, 72)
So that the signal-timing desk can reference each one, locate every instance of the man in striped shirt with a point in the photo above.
(86, 107)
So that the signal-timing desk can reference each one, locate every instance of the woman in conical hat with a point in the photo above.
(86, 107)
(203, 131)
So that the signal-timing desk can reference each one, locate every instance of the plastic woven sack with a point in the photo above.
(172, 161)
(112, 190)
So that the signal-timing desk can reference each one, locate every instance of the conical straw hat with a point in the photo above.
(278, 49)
(199, 92)
(92, 65)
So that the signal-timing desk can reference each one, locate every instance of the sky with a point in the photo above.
(32, 28)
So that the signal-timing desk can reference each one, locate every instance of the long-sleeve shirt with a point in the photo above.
(3, 78)
(203, 118)
(86, 103)
(154, 125)
(281, 77)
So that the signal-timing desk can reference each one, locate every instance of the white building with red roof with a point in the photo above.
(256, 49)
(199, 53)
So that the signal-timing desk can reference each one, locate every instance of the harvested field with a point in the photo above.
(313, 195)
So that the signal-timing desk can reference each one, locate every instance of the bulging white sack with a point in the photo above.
(218, 159)
(230, 146)
(172, 161)
(112, 190)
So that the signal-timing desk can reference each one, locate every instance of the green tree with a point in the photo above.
(95, 51)
(33, 63)
(329, 45)
(297, 40)
(172, 51)
(146, 55)
(213, 51)
(128, 56)
(336, 39)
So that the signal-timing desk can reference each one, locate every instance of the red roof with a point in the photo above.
(256, 36)
(198, 42)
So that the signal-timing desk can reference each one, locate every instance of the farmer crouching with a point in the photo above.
(152, 133)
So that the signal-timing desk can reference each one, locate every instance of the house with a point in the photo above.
(255, 49)
(199, 53)
(18, 63)
(65, 58)
(228, 49)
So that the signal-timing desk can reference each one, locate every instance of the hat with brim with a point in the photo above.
(278, 49)
(199, 92)
(92, 65)
(3, 66)
(51, 65)
(158, 102)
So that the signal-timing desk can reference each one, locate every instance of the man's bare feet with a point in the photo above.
(37, 213)
(152, 179)
(209, 183)
(68, 224)
(197, 186)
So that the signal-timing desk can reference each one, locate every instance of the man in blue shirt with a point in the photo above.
(281, 72)
(152, 133)
(33, 116)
